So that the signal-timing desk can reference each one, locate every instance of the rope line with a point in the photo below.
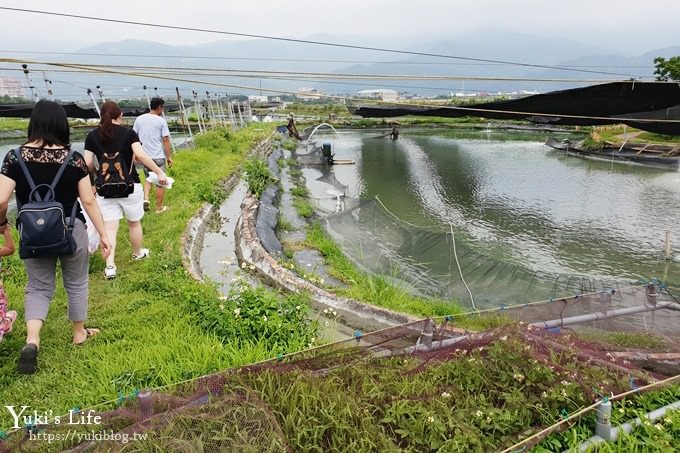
(460, 271)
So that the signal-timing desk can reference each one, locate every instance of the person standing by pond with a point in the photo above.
(45, 151)
(111, 136)
(154, 134)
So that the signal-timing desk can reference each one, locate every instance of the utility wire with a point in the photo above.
(296, 60)
(305, 41)
(345, 98)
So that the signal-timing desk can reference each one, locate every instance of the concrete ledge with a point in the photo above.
(192, 238)
(250, 251)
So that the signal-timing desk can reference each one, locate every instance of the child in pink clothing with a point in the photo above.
(7, 318)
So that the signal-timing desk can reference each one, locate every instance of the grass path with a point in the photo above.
(149, 335)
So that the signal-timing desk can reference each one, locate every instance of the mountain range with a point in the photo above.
(479, 61)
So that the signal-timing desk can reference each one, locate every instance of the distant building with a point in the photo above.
(254, 98)
(309, 93)
(9, 86)
(382, 95)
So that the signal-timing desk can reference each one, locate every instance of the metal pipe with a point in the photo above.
(30, 84)
(629, 426)
(184, 116)
(600, 315)
(96, 107)
(101, 93)
(48, 85)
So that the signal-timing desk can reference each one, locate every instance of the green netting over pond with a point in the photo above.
(424, 386)
(442, 263)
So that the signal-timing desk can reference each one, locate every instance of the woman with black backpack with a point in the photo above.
(119, 191)
(44, 156)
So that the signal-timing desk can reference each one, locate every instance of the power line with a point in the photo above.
(298, 60)
(304, 41)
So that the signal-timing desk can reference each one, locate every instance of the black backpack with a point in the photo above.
(114, 178)
(41, 222)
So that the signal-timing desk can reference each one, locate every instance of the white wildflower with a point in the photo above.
(237, 312)
(519, 377)
(243, 265)
(264, 318)
(544, 394)
(446, 395)
(488, 419)
(479, 414)
(321, 281)
(251, 267)
(430, 419)
(504, 338)
(222, 307)
(659, 426)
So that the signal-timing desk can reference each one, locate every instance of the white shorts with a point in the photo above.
(131, 207)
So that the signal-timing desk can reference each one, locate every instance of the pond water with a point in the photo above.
(506, 197)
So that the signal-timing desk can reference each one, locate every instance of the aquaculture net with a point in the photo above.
(347, 394)
(442, 263)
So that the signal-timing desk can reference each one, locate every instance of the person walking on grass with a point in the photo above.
(112, 137)
(155, 137)
(46, 150)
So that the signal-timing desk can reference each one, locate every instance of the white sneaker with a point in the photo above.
(143, 253)
(110, 272)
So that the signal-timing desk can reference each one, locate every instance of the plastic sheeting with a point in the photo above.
(650, 106)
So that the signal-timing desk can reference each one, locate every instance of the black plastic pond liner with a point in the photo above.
(73, 110)
(650, 106)
(267, 217)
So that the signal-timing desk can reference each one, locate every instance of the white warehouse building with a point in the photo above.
(383, 95)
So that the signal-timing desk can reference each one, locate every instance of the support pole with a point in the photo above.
(220, 111)
(183, 116)
(101, 93)
(211, 113)
(34, 93)
(48, 85)
(148, 101)
(667, 246)
(96, 107)
(199, 113)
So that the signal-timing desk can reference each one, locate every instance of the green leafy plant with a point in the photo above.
(258, 176)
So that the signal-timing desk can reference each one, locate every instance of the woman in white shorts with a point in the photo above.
(112, 136)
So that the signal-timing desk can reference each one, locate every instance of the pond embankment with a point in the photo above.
(251, 255)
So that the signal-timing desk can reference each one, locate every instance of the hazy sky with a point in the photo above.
(625, 26)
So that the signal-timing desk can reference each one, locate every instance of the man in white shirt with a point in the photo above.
(154, 135)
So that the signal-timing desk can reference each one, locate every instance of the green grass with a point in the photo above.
(12, 124)
(151, 333)
(373, 289)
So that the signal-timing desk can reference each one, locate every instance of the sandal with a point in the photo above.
(28, 359)
(90, 332)
(161, 210)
